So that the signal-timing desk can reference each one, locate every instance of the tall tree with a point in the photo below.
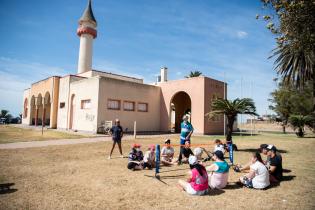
(294, 28)
(231, 109)
(5, 114)
(194, 74)
(287, 100)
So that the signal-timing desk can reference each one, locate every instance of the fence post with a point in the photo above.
(135, 130)
(157, 159)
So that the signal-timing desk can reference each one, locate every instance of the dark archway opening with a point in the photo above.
(180, 105)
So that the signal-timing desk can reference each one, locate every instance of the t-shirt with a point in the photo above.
(223, 167)
(219, 147)
(186, 128)
(116, 131)
(135, 156)
(187, 152)
(149, 157)
(277, 162)
(261, 179)
(167, 151)
(198, 182)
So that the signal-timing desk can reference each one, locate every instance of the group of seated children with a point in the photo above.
(202, 177)
(136, 159)
(262, 173)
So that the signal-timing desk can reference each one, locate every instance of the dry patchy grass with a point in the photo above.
(10, 134)
(80, 177)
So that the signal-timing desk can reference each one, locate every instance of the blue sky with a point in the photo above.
(136, 38)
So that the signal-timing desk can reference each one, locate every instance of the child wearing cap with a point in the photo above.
(218, 145)
(197, 184)
(167, 154)
(219, 171)
(135, 158)
(275, 164)
(149, 158)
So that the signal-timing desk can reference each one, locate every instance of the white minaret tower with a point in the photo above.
(87, 32)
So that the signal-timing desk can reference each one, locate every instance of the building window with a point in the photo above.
(129, 106)
(142, 107)
(113, 104)
(62, 105)
(86, 104)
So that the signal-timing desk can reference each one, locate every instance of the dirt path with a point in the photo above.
(46, 143)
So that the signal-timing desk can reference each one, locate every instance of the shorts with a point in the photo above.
(116, 140)
(192, 191)
(248, 182)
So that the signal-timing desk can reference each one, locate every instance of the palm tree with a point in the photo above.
(4, 114)
(194, 74)
(299, 122)
(231, 109)
(295, 64)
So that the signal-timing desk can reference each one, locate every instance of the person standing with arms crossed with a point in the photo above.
(185, 134)
(117, 133)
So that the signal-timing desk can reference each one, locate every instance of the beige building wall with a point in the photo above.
(194, 87)
(42, 94)
(84, 119)
(26, 111)
(132, 92)
(64, 97)
(94, 73)
(213, 89)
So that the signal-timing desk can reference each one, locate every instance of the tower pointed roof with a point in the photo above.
(88, 14)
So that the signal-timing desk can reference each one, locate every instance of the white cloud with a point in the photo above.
(241, 34)
(17, 75)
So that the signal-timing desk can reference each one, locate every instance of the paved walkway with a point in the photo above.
(31, 144)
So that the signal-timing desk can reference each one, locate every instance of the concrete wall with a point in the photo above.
(26, 95)
(40, 88)
(129, 91)
(194, 87)
(65, 97)
(94, 73)
(213, 89)
(83, 89)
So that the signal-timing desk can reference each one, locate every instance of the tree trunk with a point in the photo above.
(230, 122)
(283, 128)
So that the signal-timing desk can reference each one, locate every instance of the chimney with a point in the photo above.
(158, 79)
(164, 74)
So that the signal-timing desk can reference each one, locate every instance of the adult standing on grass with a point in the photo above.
(185, 134)
(117, 133)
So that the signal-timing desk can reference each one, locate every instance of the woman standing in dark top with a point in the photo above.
(117, 133)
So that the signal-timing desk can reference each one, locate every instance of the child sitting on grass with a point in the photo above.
(149, 158)
(135, 158)
(197, 184)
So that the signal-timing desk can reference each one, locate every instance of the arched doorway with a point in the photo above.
(46, 111)
(180, 105)
(33, 110)
(72, 112)
(39, 110)
(25, 108)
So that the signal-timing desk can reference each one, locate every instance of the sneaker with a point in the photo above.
(109, 157)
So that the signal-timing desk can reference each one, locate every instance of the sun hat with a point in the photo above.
(192, 160)
(219, 154)
(198, 151)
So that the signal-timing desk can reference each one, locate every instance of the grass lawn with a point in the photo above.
(81, 177)
(10, 134)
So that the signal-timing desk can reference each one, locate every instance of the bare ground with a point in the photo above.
(80, 177)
